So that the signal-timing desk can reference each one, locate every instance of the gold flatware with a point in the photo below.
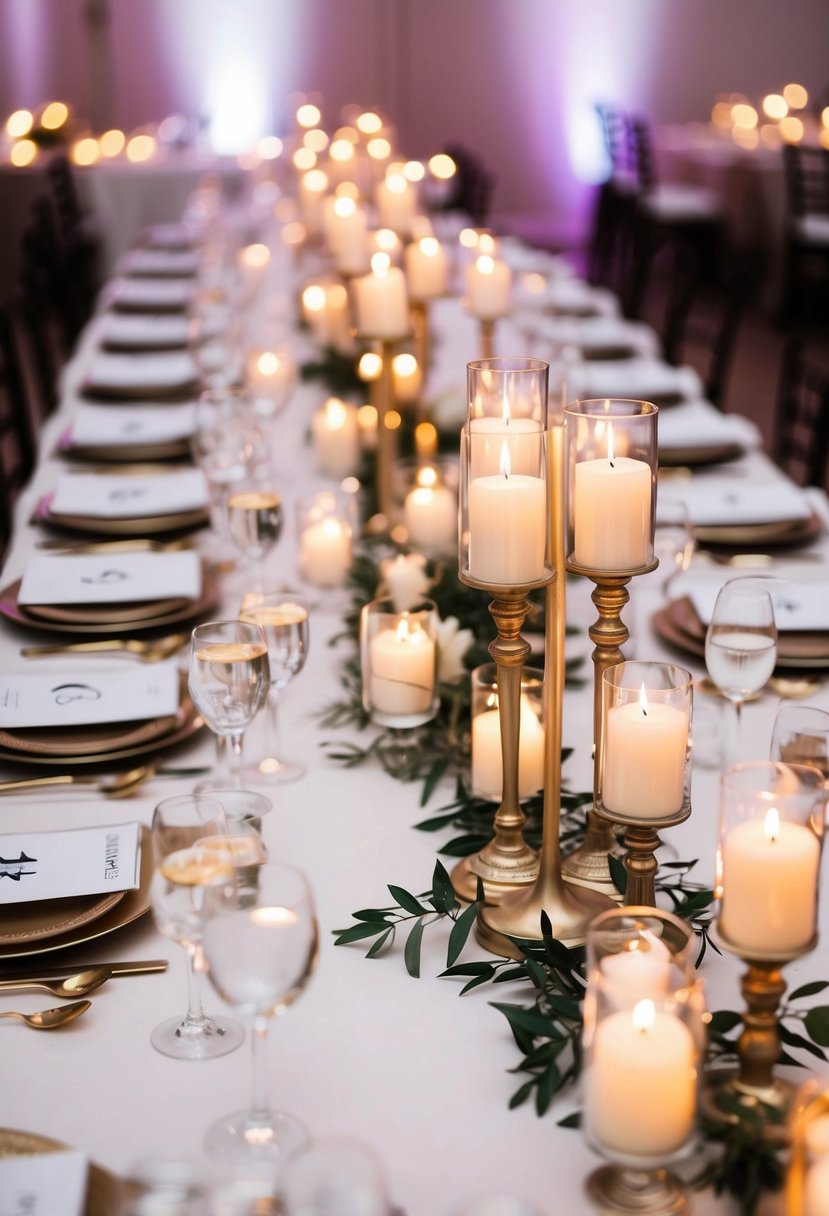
(148, 650)
(113, 785)
(149, 966)
(794, 688)
(132, 545)
(50, 1019)
(80, 983)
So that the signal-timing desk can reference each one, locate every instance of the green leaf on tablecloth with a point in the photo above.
(386, 939)
(407, 900)
(809, 990)
(618, 873)
(816, 1022)
(356, 933)
(573, 1120)
(460, 932)
(792, 1039)
(411, 951)
(443, 893)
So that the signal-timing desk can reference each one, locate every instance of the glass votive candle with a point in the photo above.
(639, 953)
(245, 807)
(326, 524)
(645, 769)
(807, 1177)
(768, 858)
(336, 438)
(487, 762)
(270, 376)
(430, 505)
(398, 655)
(611, 465)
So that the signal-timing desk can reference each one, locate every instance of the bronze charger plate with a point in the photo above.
(679, 624)
(127, 453)
(181, 390)
(122, 525)
(103, 1190)
(777, 532)
(103, 614)
(700, 455)
(192, 723)
(45, 917)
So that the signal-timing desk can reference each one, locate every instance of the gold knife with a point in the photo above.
(47, 972)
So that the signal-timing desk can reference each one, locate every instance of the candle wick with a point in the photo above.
(612, 465)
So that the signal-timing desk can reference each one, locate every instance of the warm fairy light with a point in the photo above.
(379, 149)
(347, 133)
(643, 1015)
(23, 153)
(796, 96)
(468, 237)
(429, 246)
(54, 115)
(367, 418)
(140, 148)
(369, 123)
(313, 298)
(304, 158)
(255, 256)
(293, 233)
(426, 439)
(396, 183)
(270, 147)
(112, 142)
(341, 151)
(386, 240)
(86, 151)
(380, 263)
(791, 129)
(486, 243)
(347, 190)
(392, 420)
(721, 115)
(533, 283)
(268, 363)
(744, 115)
(775, 106)
(19, 123)
(824, 116)
(770, 135)
(404, 365)
(308, 115)
(442, 166)
(414, 171)
(746, 137)
(370, 366)
(316, 181)
(337, 296)
(344, 206)
(485, 264)
(315, 139)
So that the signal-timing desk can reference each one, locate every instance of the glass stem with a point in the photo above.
(734, 732)
(195, 1012)
(272, 748)
(259, 1103)
(222, 772)
(234, 746)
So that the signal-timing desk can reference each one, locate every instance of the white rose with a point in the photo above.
(453, 643)
(406, 579)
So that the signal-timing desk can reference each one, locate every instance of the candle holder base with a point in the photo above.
(641, 842)
(724, 1097)
(518, 916)
(618, 1189)
(587, 866)
(501, 873)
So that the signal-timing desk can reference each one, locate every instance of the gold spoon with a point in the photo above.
(113, 785)
(149, 650)
(79, 984)
(51, 1019)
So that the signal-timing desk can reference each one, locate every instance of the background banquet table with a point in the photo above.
(407, 1066)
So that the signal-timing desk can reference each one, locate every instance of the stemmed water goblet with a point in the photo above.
(673, 539)
(741, 645)
(260, 954)
(184, 872)
(225, 446)
(283, 617)
(254, 521)
(228, 681)
(801, 736)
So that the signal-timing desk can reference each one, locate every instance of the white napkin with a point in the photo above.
(797, 606)
(47, 1182)
(698, 424)
(596, 333)
(574, 295)
(113, 496)
(158, 370)
(114, 578)
(711, 501)
(161, 262)
(636, 378)
(168, 236)
(158, 330)
(151, 293)
(63, 864)
(82, 697)
(129, 425)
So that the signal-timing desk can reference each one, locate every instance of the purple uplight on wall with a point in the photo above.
(23, 30)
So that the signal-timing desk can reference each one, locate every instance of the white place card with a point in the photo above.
(76, 861)
(730, 501)
(130, 425)
(798, 607)
(46, 1184)
(83, 696)
(151, 293)
(116, 496)
(158, 330)
(110, 578)
(160, 370)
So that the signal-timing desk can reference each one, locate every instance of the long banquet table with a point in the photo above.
(406, 1066)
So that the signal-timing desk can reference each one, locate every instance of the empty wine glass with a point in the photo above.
(254, 521)
(741, 645)
(673, 539)
(183, 872)
(283, 618)
(228, 681)
(801, 736)
(260, 954)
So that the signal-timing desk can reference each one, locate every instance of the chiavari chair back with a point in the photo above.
(801, 436)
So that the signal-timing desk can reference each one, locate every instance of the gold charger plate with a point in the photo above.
(104, 614)
(598, 353)
(700, 455)
(154, 747)
(103, 1190)
(180, 391)
(134, 904)
(45, 917)
(679, 624)
(127, 453)
(779, 532)
(123, 525)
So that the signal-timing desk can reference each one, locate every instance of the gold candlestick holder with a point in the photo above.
(487, 337)
(422, 333)
(382, 396)
(641, 840)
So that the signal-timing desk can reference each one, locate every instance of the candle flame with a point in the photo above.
(505, 461)
(643, 700)
(335, 413)
(771, 827)
(643, 1015)
(610, 443)
(485, 264)
(427, 476)
(344, 206)
(429, 246)
(268, 363)
(380, 263)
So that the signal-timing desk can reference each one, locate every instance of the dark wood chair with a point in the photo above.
(801, 424)
(702, 323)
(806, 234)
(80, 241)
(608, 254)
(474, 185)
(17, 425)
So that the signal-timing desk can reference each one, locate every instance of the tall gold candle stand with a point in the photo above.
(768, 867)
(487, 338)
(422, 335)
(382, 398)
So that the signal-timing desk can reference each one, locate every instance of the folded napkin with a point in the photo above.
(720, 501)
(600, 333)
(83, 697)
(101, 578)
(576, 296)
(129, 425)
(115, 496)
(44, 1182)
(698, 424)
(168, 236)
(798, 607)
(170, 294)
(160, 262)
(65, 864)
(158, 331)
(640, 379)
(160, 371)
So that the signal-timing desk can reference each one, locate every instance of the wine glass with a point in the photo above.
(228, 681)
(335, 1177)
(260, 954)
(801, 736)
(741, 645)
(184, 871)
(283, 617)
(673, 539)
(225, 446)
(254, 521)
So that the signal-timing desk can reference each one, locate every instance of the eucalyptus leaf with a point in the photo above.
(816, 1022)
(460, 932)
(411, 951)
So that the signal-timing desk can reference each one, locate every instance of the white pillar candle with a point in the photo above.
(407, 378)
(348, 236)
(612, 512)
(645, 750)
(396, 200)
(507, 527)
(430, 512)
(426, 269)
(336, 438)
(487, 437)
(642, 970)
(312, 190)
(402, 670)
(270, 376)
(325, 552)
(816, 1189)
(381, 302)
(489, 283)
(640, 1082)
(487, 762)
(769, 884)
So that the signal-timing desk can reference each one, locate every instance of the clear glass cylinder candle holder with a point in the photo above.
(398, 657)
(645, 765)
(487, 773)
(768, 858)
(807, 1176)
(639, 953)
(503, 503)
(426, 503)
(326, 524)
(610, 484)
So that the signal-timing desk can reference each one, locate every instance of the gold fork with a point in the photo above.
(148, 650)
